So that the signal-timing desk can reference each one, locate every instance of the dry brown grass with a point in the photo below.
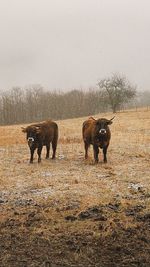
(36, 198)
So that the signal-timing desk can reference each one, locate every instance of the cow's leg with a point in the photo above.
(96, 152)
(39, 150)
(54, 146)
(31, 155)
(47, 150)
(86, 146)
(104, 153)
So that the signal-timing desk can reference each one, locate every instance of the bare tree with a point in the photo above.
(117, 90)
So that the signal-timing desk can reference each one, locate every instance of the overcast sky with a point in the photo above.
(66, 44)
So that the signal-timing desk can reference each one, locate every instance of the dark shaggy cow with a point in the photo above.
(42, 134)
(97, 133)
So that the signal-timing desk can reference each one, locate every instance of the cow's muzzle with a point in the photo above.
(30, 141)
(102, 131)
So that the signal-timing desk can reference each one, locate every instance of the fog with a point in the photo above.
(66, 44)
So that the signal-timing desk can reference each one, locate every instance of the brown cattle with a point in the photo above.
(42, 134)
(97, 133)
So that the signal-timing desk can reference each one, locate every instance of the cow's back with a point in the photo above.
(49, 130)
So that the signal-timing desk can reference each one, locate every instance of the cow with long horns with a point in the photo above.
(97, 133)
(39, 135)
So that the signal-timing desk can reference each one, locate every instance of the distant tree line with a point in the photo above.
(25, 105)
(35, 104)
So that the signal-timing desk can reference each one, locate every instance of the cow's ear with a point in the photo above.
(109, 122)
(24, 130)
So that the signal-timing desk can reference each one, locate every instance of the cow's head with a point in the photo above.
(102, 125)
(33, 133)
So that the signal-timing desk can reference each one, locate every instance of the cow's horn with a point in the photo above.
(112, 118)
(23, 129)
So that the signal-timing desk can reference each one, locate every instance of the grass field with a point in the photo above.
(72, 212)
